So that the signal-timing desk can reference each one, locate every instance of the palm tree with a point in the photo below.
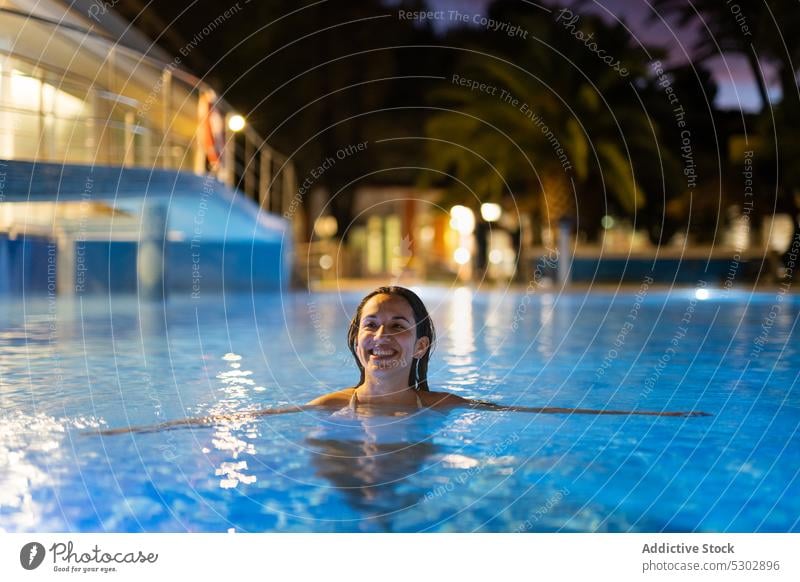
(770, 36)
(725, 33)
(566, 98)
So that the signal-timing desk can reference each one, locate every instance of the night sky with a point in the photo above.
(737, 88)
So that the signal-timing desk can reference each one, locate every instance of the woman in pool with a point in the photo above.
(391, 337)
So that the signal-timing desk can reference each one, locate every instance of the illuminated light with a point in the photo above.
(462, 296)
(26, 91)
(607, 222)
(780, 229)
(326, 226)
(462, 333)
(496, 257)
(491, 211)
(29, 93)
(459, 461)
(462, 219)
(236, 122)
(702, 294)
(426, 233)
(326, 262)
(462, 256)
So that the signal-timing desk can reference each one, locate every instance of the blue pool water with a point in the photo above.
(68, 366)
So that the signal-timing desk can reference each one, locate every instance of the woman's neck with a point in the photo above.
(382, 389)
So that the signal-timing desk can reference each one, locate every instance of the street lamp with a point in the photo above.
(236, 122)
(462, 219)
(326, 226)
(462, 256)
(490, 211)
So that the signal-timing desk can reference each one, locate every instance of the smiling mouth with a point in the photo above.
(381, 353)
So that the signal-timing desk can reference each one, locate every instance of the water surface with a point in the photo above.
(68, 366)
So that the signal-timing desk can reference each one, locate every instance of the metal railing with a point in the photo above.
(124, 123)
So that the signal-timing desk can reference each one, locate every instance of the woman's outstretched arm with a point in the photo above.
(434, 399)
(481, 405)
(450, 400)
(203, 421)
(334, 400)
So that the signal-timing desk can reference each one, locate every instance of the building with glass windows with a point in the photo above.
(120, 170)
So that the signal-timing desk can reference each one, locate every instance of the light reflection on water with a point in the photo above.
(460, 342)
(25, 442)
(129, 364)
(234, 435)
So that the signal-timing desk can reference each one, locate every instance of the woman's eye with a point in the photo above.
(368, 325)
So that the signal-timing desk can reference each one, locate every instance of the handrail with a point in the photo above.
(259, 145)
(175, 70)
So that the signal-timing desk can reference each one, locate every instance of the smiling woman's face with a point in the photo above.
(387, 337)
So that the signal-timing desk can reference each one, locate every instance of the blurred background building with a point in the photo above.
(119, 165)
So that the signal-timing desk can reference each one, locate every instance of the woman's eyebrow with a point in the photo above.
(395, 317)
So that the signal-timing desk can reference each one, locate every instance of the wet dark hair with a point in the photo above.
(418, 378)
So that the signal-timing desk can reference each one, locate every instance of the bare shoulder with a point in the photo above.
(442, 400)
(338, 398)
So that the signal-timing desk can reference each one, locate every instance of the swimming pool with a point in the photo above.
(70, 365)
